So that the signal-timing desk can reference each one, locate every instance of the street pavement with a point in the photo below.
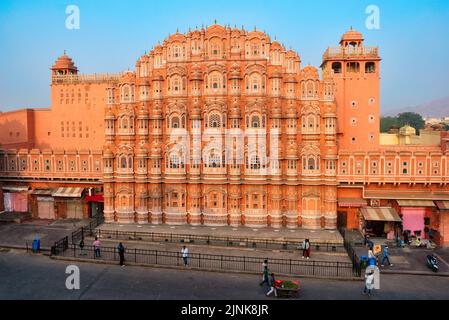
(26, 276)
(48, 231)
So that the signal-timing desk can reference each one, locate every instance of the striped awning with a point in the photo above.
(352, 202)
(442, 205)
(416, 203)
(42, 192)
(380, 214)
(68, 192)
(15, 188)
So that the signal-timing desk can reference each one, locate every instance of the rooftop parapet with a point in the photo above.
(86, 78)
(350, 52)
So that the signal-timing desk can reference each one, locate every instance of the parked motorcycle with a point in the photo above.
(432, 262)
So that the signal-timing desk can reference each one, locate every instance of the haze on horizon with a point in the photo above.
(412, 38)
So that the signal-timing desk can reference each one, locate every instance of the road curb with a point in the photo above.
(197, 269)
(44, 251)
(417, 273)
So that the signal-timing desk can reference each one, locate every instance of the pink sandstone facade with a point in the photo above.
(222, 126)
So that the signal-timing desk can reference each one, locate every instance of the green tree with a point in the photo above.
(413, 119)
(387, 122)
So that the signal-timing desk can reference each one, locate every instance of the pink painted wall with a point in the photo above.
(413, 219)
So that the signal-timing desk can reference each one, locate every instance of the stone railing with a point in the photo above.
(342, 52)
(77, 78)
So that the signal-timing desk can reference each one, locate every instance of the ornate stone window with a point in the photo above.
(214, 120)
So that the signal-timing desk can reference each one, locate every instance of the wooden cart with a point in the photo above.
(287, 289)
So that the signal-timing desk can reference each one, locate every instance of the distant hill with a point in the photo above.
(434, 109)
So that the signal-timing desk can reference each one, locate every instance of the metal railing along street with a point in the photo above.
(243, 242)
(334, 269)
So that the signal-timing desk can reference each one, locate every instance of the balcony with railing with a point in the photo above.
(350, 52)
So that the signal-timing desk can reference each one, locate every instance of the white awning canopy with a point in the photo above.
(15, 188)
(64, 192)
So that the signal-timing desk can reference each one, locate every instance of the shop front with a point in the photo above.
(45, 204)
(348, 209)
(69, 203)
(96, 205)
(380, 221)
(15, 198)
(442, 233)
(416, 216)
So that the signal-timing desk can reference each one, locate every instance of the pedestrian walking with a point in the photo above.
(369, 282)
(185, 255)
(265, 276)
(97, 244)
(306, 249)
(121, 253)
(371, 257)
(264, 264)
(81, 245)
(272, 286)
(386, 257)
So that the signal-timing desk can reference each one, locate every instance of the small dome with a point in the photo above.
(407, 131)
(352, 35)
(64, 62)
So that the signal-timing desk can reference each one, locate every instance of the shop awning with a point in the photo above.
(42, 192)
(405, 195)
(68, 192)
(380, 214)
(442, 205)
(416, 203)
(15, 188)
(352, 202)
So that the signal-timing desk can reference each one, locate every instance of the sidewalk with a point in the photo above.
(411, 260)
(19, 235)
(318, 236)
(230, 251)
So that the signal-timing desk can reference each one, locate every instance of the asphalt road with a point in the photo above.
(26, 276)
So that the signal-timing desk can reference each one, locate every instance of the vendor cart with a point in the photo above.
(287, 289)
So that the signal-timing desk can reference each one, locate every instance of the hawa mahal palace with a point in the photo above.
(223, 126)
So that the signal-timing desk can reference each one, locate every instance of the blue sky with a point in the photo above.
(413, 38)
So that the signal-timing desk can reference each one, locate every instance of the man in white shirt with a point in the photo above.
(185, 255)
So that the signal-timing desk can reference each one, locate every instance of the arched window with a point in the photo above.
(174, 161)
(216, 81)
(214, 121)
(214, 159)
(125, 123)
(255, 162)
(123, 164)
(336, 67)
(310, 89)
(255, 82)
(370, 67)
(176, 51)
(175, 122)
(311, 163)
(311, 122)
(255, 121)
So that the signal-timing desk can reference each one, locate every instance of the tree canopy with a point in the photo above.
(412, 119)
